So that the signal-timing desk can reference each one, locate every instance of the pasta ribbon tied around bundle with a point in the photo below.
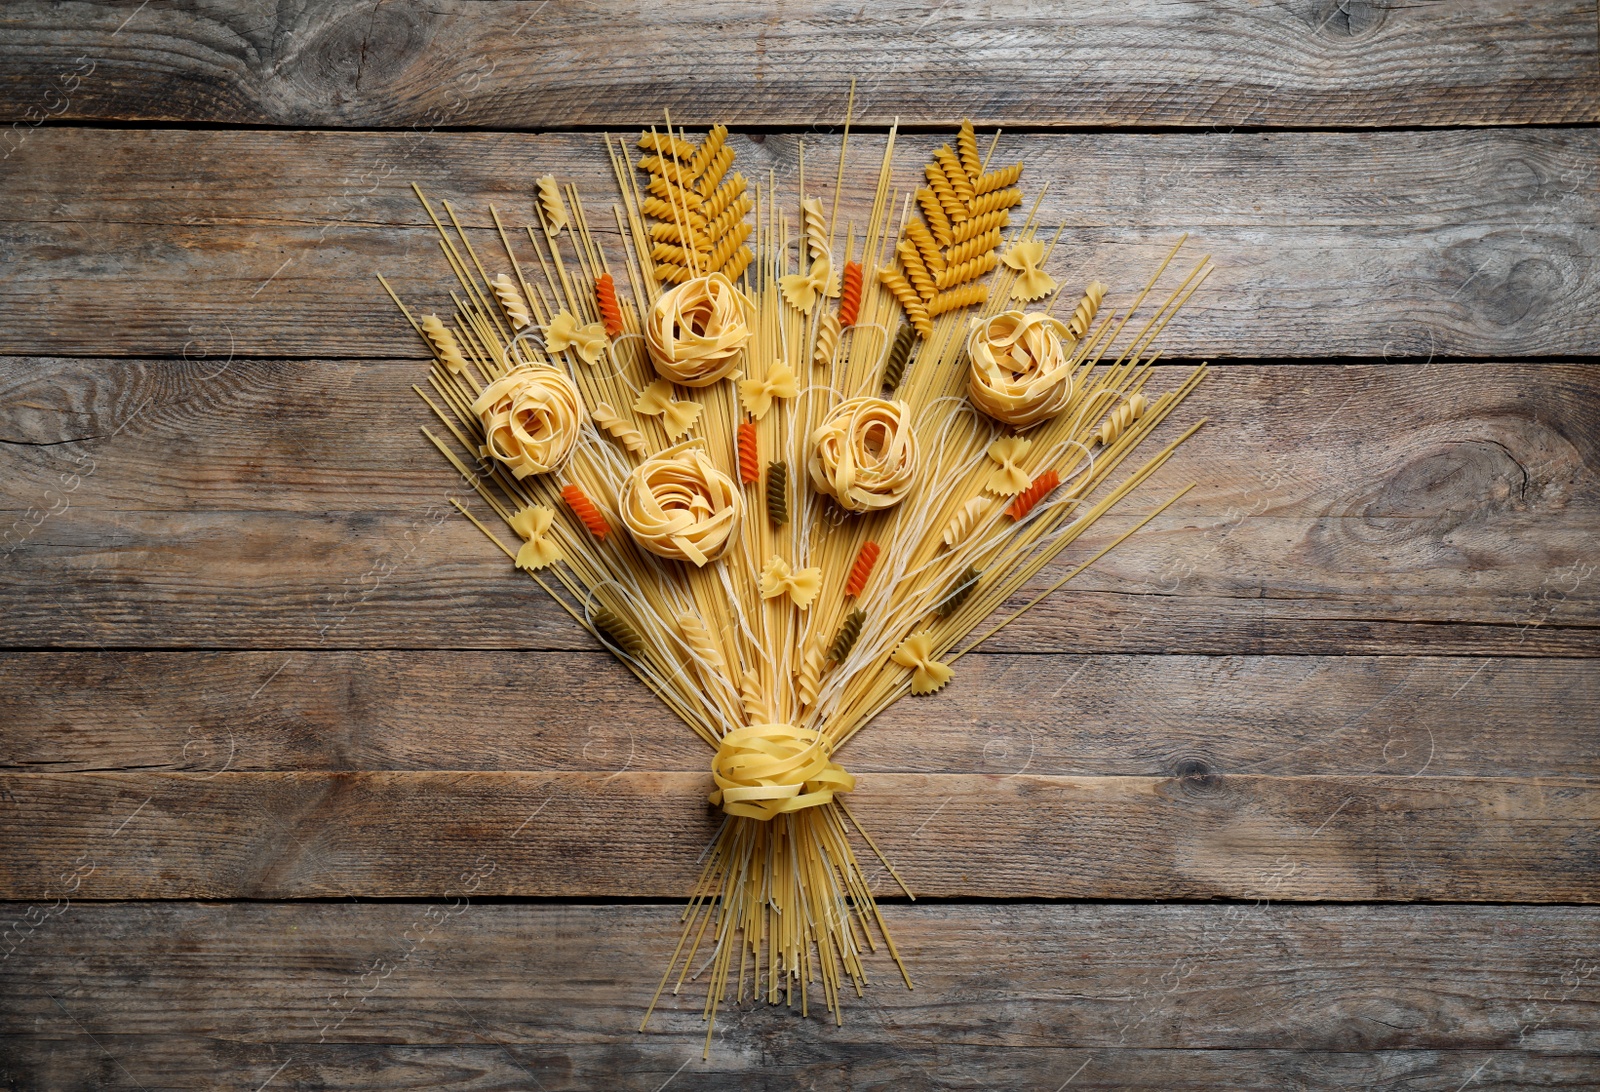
(677, 415)
(800, 585)
(1032, 282)
(1019, 374)
(1084, 313)
(765, 770)
(531, 420)
(605, 291)
(697, 331)
(757, 394)
(511, 302)
(678, 505)
(850, 294)
(861, 571)
(927, 674)
(586, 511)
(620, 430)
(551, 207)
(442, 340)
(864, 454)
(539, 547)
(563, 333)
(749, 456)
(1119, 419)
(1008, 478)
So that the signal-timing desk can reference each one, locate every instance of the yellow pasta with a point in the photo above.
(955, 173)
(997, 180)
(916, 272)
(979, 225)
(938, 222)
(927, 247)
(967, 146)
(916, 311)
(1084, 313)
(973, 247)
(955, 298)
(969, 270)
(998, 199)
(551, 206)
(954, 207)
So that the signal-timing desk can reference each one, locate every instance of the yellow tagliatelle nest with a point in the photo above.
(864, 455)
(679, 505)
(531, 419)
(697, 331)
(1020, 373)
(764, 770)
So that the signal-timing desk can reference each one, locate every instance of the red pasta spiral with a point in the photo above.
(585, 509)
(1036, 491)
(862, 569)
(605, 290)
(749, 457)
(850, 294)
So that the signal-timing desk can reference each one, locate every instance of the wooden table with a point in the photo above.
(1297, 789)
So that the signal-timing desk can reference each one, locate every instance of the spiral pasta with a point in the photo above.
(850, 294)
(754, 700)
(827, 342)
(1083, 314)
(654, 206)
(910, 302)
(706, 653)
(511, 302)
(749, 458)
(996, 180)
(933, 212)
(967, 146)
(954, 208)
(995, 200)
(815, 226)
(674, 195)
(969, 270)
(1025, 501)
(678, 505)
(965, 296)
(916, 271)
(974, 247)
(957, 175)
(1119, 419)
(620, 430)
(808, 681)
(728, 195)
(861, 570)
(960, 590)
(531, 420)
(709, 148)
(551, 207)
(962, 524)
(696, 332)
(849, 633)
(586, 510)
(778, 493)
(926, 246)
(894, 369)
(666, 144)
(605, 291)
(621, 632)
(442, 340)
(979, 225)
(1019, 372)
(864, 454)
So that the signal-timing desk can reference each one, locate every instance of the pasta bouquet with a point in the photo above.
(786, 476)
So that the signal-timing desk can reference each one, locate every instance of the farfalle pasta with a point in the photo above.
(697, 330)
(531, 420)
(1020, 373)
(679, 505)
(864, 454)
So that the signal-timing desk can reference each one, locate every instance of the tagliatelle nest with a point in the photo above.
(679, 505)
(697, 331)
(864, 454)
(531, 418)
(1020, 372)
(793, 508)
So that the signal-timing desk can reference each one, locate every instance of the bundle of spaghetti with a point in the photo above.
(890, 514)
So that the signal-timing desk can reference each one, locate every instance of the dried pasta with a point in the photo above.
(531, 420)
(849, 633)
(962, 524)
(696, 332)
(894, 369)
(778, 493)
(443, 342)
(511, 302)
(749, 459)
(864, 454)
(1118, 421)
(605, 290)
(586, 510)
(678, 505)
(551, 207)
(1026, 500)
(861, 569)
(1019, 372)
(850, 294)
(1084, 313)
(619, 429)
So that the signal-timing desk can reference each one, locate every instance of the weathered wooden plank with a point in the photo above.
(529, 65)
(1364, 509)
(202, 712)
(1404, 244)
(626, 833)
(508, 997)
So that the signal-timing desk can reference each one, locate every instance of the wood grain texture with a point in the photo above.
(1397, 245)
(1376, 509)
(201, 712)
(618, 832)
(529, 65)
(503, 997)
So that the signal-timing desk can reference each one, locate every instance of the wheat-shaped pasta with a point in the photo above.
(675, 196)
(1084, 313)
(956, 298)
(828, 331)
(973, 247)
(997, 180)
(961, 525)
(660, 210)
(978, 225)
(551, 207)
(969, 270)
(933, 212)
(932, 256)
(724, 196)
(999, 199)
(666, 144)
(954, 207)
(967, 145)
(912, 303)
(916, 272)
(614, 423)
(708, 150)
